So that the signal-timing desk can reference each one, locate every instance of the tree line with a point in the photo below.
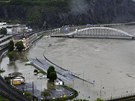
(13, 48)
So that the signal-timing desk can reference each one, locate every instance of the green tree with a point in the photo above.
(11, 55)
(3, 31)
(53, 76)
(11, 46)
(50, 69)
(34, 18)
(19, 46)
(51, 73)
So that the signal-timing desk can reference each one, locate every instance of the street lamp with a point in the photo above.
(83, 77)
(101, 89)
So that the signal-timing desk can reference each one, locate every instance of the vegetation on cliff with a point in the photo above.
(56, 13)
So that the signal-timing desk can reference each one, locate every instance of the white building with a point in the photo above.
(3, 25)
(9, 29)
(15, 28)
(27, 39)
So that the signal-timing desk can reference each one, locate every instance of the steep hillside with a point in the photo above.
(55, 13)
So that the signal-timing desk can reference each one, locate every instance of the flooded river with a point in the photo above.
(108, 63)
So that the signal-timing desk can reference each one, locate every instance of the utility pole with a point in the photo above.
(83, 77)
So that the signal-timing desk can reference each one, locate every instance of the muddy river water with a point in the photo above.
(108, 63)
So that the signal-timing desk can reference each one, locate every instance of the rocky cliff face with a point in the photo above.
(105, 11)
(75, 12)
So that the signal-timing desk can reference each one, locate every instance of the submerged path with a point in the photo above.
(63, 74)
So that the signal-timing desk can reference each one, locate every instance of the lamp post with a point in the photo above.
(101, 89)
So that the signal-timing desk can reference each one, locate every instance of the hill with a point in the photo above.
(55, 13)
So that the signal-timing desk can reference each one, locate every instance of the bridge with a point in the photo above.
(97, 32)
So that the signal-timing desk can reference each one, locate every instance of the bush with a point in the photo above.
(11, 46)
(12, 55)
(19, 46)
